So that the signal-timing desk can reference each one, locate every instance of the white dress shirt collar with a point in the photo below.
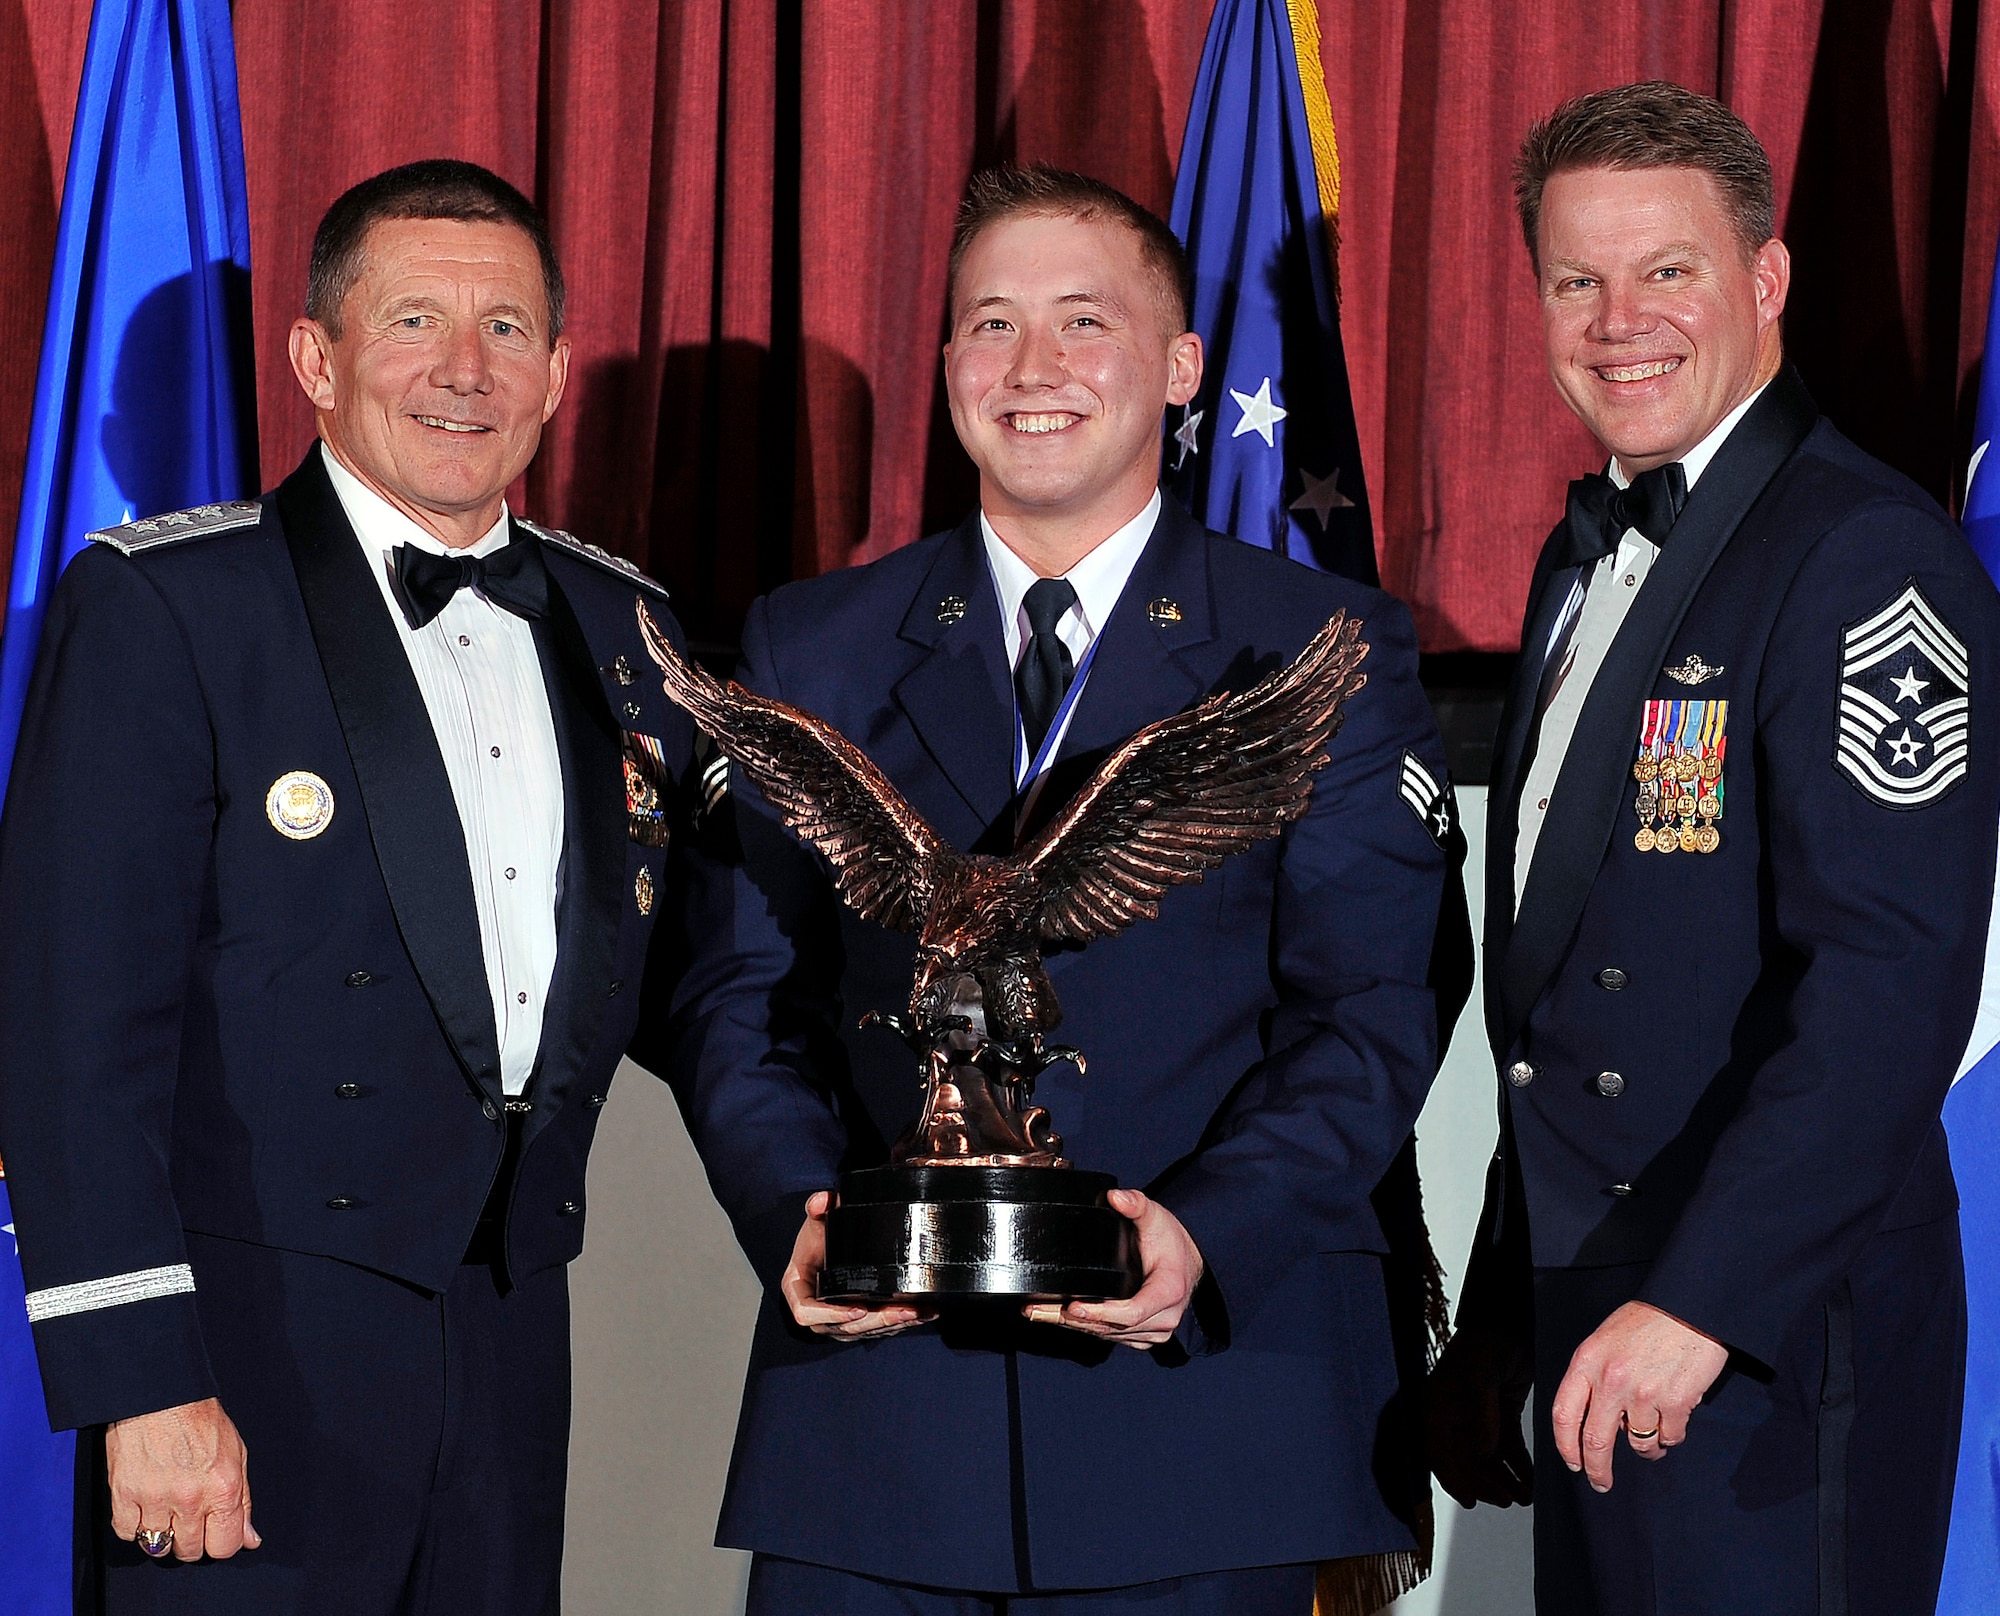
(1099, 579)
(381, 527)
(1696, 460)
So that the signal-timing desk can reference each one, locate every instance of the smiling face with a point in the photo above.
(436, 389)
(1059, 370)
(1658, 322)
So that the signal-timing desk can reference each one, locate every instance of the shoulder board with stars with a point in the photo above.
(1432, 802)
(198, 523)
(595, 554)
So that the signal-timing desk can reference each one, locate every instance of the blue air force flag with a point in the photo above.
(1971, 1584)
(1267, 450)
(144, 400)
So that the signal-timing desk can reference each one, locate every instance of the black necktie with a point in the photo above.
(1600, 511)
(1042, 678)
(513, 577)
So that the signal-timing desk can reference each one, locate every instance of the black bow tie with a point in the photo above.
(1600, 511)
(513, 577)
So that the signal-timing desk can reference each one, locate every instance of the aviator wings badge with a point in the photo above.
(1905, 702)
(1693, 671)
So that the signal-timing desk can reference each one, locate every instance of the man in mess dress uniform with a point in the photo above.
(1257, 1053)
(333, 841)
(1740, 860)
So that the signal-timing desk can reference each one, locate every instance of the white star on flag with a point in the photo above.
(8, 1228)
(1322, 496)
(1910, 687)
(1259, 413)
(1184, 435)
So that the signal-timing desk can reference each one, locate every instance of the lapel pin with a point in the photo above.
(951, 609)
(621, 670)
(299, 805)
(633, 710)
(1694, 671)
(1163, 611)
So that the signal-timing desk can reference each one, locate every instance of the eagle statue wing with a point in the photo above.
(1183, 794)
(886, 859)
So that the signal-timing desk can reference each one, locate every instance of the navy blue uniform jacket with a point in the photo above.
(206, 1025)
(1257, 1056)
(1785, 1013)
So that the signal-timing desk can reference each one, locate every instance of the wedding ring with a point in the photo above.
(1642, 1436)
(154, 1545)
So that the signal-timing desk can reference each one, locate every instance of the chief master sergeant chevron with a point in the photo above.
(333, 838)
(1740, 861)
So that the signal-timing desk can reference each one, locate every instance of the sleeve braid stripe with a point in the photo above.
(88, 1295)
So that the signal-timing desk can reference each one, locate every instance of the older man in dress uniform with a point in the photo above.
(1741, 854)
(332, 843)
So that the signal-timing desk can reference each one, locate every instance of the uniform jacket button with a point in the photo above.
(594, 1101)
(358, 979)
(1610, 1085)
(340, 1203)
(1611, 979)
(1622, 1190)
(1521, 1074)
(491, 1111)
(349, 1091)
(568, 1209)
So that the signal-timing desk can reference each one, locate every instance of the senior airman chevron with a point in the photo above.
(1432, 802)
(1904, 703)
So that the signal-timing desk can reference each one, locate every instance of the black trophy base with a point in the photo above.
(1045, 1234)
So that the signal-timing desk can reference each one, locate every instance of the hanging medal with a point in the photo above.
(1646, 770)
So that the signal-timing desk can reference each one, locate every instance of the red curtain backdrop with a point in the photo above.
(753, 201)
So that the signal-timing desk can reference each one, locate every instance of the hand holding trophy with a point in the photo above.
(977, 1198)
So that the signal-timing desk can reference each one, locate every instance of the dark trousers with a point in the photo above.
(793, 1588)
(1823, 1489)
(408, 1450)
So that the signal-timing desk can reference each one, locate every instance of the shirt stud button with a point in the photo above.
(495, 750)
(349, 1091)
(1521, 1074)
(1543, 804)
(510, 872)
(1610, 1085)
(465, 639)
(1611, 979)
(568, 1209)
(358, 979)
(520, 998)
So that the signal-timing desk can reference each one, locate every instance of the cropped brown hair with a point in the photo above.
(1649, 125)
(435, 188)
(1039, 191)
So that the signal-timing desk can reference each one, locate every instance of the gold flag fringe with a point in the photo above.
(1319, 122)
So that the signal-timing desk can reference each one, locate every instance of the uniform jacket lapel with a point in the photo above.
(1547, 591)
(960, 697)
(405, 792)
(589, 908)
(1584, 805)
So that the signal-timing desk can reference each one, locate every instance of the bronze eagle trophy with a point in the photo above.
(1163, 809)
